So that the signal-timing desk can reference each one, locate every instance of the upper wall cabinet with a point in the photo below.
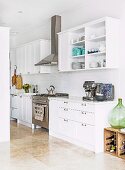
(94, 45)
(31, 53)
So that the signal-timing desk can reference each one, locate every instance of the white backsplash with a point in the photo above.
(72, 82)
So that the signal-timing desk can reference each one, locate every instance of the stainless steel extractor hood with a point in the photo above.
(52, 59)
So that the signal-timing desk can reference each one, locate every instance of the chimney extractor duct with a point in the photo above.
(52, 59)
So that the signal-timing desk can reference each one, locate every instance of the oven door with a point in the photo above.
(40, 115)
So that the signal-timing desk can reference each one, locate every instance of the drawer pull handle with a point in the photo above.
(83, 104)
(65, 120)
(83, 124)
(84, 113)
(65, 109)
(66, 102)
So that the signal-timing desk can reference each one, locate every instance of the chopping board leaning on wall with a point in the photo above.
(17, 79)
(19, 82)
(14, 76)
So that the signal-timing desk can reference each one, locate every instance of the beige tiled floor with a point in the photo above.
(38, 151)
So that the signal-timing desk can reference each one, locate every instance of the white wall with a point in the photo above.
(72, 82)
(4, 86)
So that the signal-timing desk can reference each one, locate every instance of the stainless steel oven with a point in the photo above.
(40, 114)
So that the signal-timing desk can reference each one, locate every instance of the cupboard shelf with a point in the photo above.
(79, 43)
(78, 56)
(96, 54)
(99, 38)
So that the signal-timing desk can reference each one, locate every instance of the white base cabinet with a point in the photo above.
(21, 109)
(79, 122)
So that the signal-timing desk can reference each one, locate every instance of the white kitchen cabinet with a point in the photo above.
(12, 61)
(25, 109)
(14, 106)
(44, 52)
(28, 109)
(85, 133)
(30, 54)
(53, 119)
(93, 45)
(64, 58)
(79, 122)
(20, 60)
(29, 58)
(67, 127)
(21, 109)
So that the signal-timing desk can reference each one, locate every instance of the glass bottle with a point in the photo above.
(117, 116)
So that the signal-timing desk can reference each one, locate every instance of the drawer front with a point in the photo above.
(64, 113)
(85, 117)
(84, 106)
(67, 128)
(85, 133)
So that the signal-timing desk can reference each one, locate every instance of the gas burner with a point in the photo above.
(53, 95)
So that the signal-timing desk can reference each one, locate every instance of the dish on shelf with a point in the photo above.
(77, 51)
(94, 64)
(78, 65)
(78, 39)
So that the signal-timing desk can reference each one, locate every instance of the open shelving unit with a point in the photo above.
(96, 44)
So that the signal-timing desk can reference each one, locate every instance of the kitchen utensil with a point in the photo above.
(19, 82)
(14, 76)
(51, 90)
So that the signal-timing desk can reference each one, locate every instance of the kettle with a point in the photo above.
(51, 90)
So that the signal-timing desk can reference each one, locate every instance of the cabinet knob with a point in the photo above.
(65, 120)
(65, 109)
(83, 124)
(66, 102)
(84, 113)
(83, 104)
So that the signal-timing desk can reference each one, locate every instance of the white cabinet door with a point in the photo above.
(20, 107)
(20, 60)
(85, 133)
(29, 58)
(67, 128)
(28, 110)
(36, 56)
(14, 107)
(12, 61)
(44, 52)
(53, 115)
(64, 52)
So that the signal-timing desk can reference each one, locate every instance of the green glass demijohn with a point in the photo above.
(117, 116)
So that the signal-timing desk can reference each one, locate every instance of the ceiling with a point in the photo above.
(21, 15)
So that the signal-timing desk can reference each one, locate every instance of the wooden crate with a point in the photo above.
(120, 138)
(107, 133)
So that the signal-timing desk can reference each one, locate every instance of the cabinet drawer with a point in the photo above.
(85, 133)
(64, 113)
(67, 128)
(77, 115)
(14, 113)
(84, 106)
(85, 117)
